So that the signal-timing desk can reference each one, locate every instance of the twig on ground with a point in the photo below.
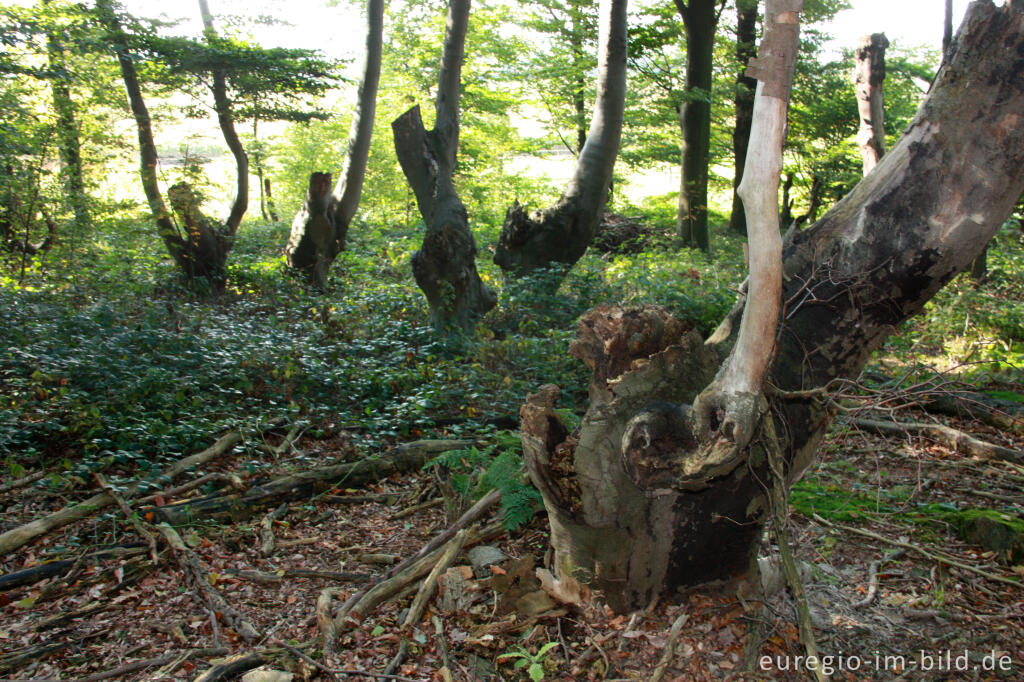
(954, 438)
(934, 556)
(267, 529)
(134, 666)
(429, 586)
(131, 516)
(200, 579)
(873, 577)
(436, 502)
(670, 647)
(285, 574)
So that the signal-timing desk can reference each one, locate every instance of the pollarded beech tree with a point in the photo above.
(321, 226)
(561, 233)
(445, 266)
(650, 494)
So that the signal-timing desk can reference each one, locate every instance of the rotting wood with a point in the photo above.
(267, 529)
(232, 666)
(26, 480)
(946, 435)
(289, 573)
(121, 671)
(22, 535)
(405, 458)
(200, 579)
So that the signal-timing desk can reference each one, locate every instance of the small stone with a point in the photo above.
(483, 556)
(267, 675)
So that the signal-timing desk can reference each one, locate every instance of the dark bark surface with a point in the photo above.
(635, 509)
(700, 19)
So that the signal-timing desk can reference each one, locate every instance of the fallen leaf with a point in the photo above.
(497, 570)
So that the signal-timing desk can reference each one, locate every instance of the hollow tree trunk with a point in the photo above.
(320, 228)
(445, 265)
(637, 506)
(746, 47)
(700, 19)
(560, 234)
(868, 78)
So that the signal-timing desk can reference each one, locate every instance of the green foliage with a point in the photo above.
(499, 466)
(533, 662)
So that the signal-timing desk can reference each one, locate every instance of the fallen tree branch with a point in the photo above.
(873, 578)
(34, 574)
(405, 458)
(134, 666)
(429, 586)
(946, 435)
(23, 481)
(939, 558)
(231, 667)
(130, 515)
(1001, 414)
(286, 574)
(670, 647)
(200, 579)
(267, 529)
(22, 535)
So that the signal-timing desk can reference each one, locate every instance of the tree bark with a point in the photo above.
(68, 142)
(445, 265)
(559, 235)
(320, 229)
(226, 121)
(868, 78)
(201, 251)
(746, 48)
(700, 19)
(637, 506)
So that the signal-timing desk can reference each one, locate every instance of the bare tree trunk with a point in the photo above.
(320, 229)
(225, 119)
(746, 48)
(560, 234)
(700, 19)
(271, 209)
(445, 266)
(868, 78)
(638, 501)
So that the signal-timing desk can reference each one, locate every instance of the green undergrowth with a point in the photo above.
(109, 363)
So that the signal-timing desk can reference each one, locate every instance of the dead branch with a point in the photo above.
(200, 579)
(34, 574)
(232, 666)
(233, 480)
(131, 516)
(670, 647)
(873, 578)
(267, 529)
(304, 484)
(429, 586)
(287, 574)
(26, 480)
(22, 535)
(954, 438)
(933, 556)
(121, 671)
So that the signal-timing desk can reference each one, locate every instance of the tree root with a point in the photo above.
(946, 435)
(670, 647)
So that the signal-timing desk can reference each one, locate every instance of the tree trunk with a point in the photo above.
(271, 209)
(225, 119)
(638, 503)
(201, 252)
(319, 230)
(445, 266)
(68, 144)
(868, 78)
(560, 234)
(746, 48)
(700, 19)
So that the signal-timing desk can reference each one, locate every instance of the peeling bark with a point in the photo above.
(559, 235)
(320, 229)
(746, 48)
(635, 508)
(445, 265)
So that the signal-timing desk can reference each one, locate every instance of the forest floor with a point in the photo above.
(944, 608)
